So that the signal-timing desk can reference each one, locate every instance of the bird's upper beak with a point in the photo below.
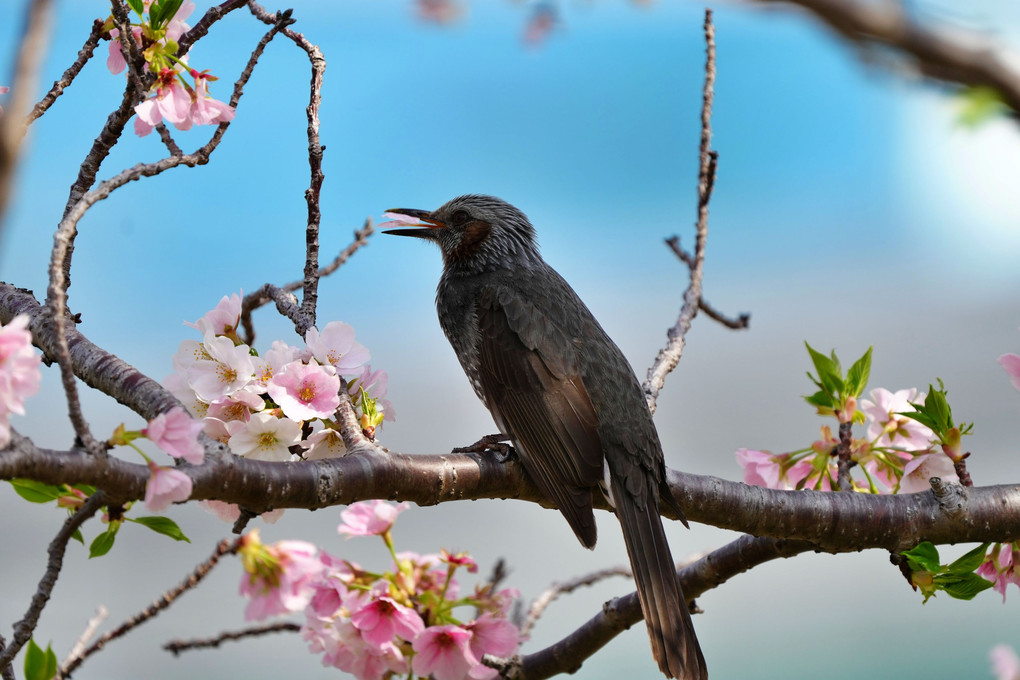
(421, 219)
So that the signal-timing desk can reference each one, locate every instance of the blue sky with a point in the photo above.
(850, 210)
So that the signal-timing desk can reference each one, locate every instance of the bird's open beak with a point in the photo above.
(421, 221)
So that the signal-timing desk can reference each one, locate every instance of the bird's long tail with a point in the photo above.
(674, 644)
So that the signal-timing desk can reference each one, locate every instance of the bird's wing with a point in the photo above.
(535, 392)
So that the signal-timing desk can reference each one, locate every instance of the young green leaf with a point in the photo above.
(39, 664)
(924, 557)
(962, 587)
(36, 492)
(857, 376)
(102, 543)
(970, 561)
(137, 5)
(162, 525)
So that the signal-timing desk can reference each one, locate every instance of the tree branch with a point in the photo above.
(175, 647)
(23, 629)
(939, 53)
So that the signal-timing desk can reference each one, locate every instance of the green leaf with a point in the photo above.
(820, 399)
(78, 537)
(39, 665)
(978, 104)
(829, 373)
(102, 543)
(963, 587)
(969, 562)
(857, 376)
(162, 525)
(137, 5)
(162, 11)
(924, 557)
(36, 492)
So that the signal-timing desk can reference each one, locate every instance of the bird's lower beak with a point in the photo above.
(422, 221)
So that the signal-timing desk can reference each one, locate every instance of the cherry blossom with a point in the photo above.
(920, 469)
(444, 652)
(227, 369)
(1011, 362)
(491, 635)
(773, 471)
(221, 319)
(204, 109)
(278, 577)
(264, 437)
(305, 391)
(19, 372)
(176, 433)
(889, 429)
(383, 618)
(369, 518)
(165, 486)
(1005, 663)
(1002, 567)
(324, 442)
(336, 346)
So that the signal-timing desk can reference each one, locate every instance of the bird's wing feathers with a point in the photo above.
(537, 395)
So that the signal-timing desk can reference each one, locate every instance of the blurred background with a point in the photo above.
(851, 209)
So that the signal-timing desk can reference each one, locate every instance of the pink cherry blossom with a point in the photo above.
(920, 469)
(204, 109)
(382, 618)
(228, 512)
(889, 429)
(369, 518)
(1011, 362)
(305, 391)
(177, 434)
(1002, 567)
(324, 442)
(264, 437)
(165, 486)
(1005, 663)
(221, 319)
(400, 220)
(492, 635)
(336, 346)
(227, 369)
(19, 372)
(115, 60)
(773, 471)
(278, 577)
(444, 652)
(176, 28)
(375, 384)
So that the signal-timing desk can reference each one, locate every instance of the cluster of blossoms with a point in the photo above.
(377, 625)
(174, 99)
(909, 438)
(280, 405)
(19, 372)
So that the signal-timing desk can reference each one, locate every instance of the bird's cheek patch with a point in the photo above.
(475, 233)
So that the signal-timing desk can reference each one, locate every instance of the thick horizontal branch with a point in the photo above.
(834, 522)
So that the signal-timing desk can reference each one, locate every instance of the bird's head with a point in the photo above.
(472, 230)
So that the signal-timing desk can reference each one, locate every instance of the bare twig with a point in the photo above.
(540, 603)
(31, 50)
(23, 629)
(741, 322)
(225, 547)
(254, 301)
(7, 671)
(318, 62)
(669, 356)
(84, 54)
(939, 53)
(175, 647)
(90, 629)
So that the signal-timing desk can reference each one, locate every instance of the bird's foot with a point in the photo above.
(491, 443)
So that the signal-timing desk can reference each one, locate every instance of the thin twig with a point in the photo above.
(224, 547)
(6, 671)
(318, 62)
(669, 356)
(65, 80)
(739, 323)
(175, 647)
(258, 299)
(86, 635)
(548, 596)
(23, 629)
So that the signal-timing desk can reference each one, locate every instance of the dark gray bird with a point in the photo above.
(564, 394)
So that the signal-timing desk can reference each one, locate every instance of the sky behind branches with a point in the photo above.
(850, 210)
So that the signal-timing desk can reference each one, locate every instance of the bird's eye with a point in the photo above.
(459, 217)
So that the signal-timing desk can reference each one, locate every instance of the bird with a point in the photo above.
(562, 392)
